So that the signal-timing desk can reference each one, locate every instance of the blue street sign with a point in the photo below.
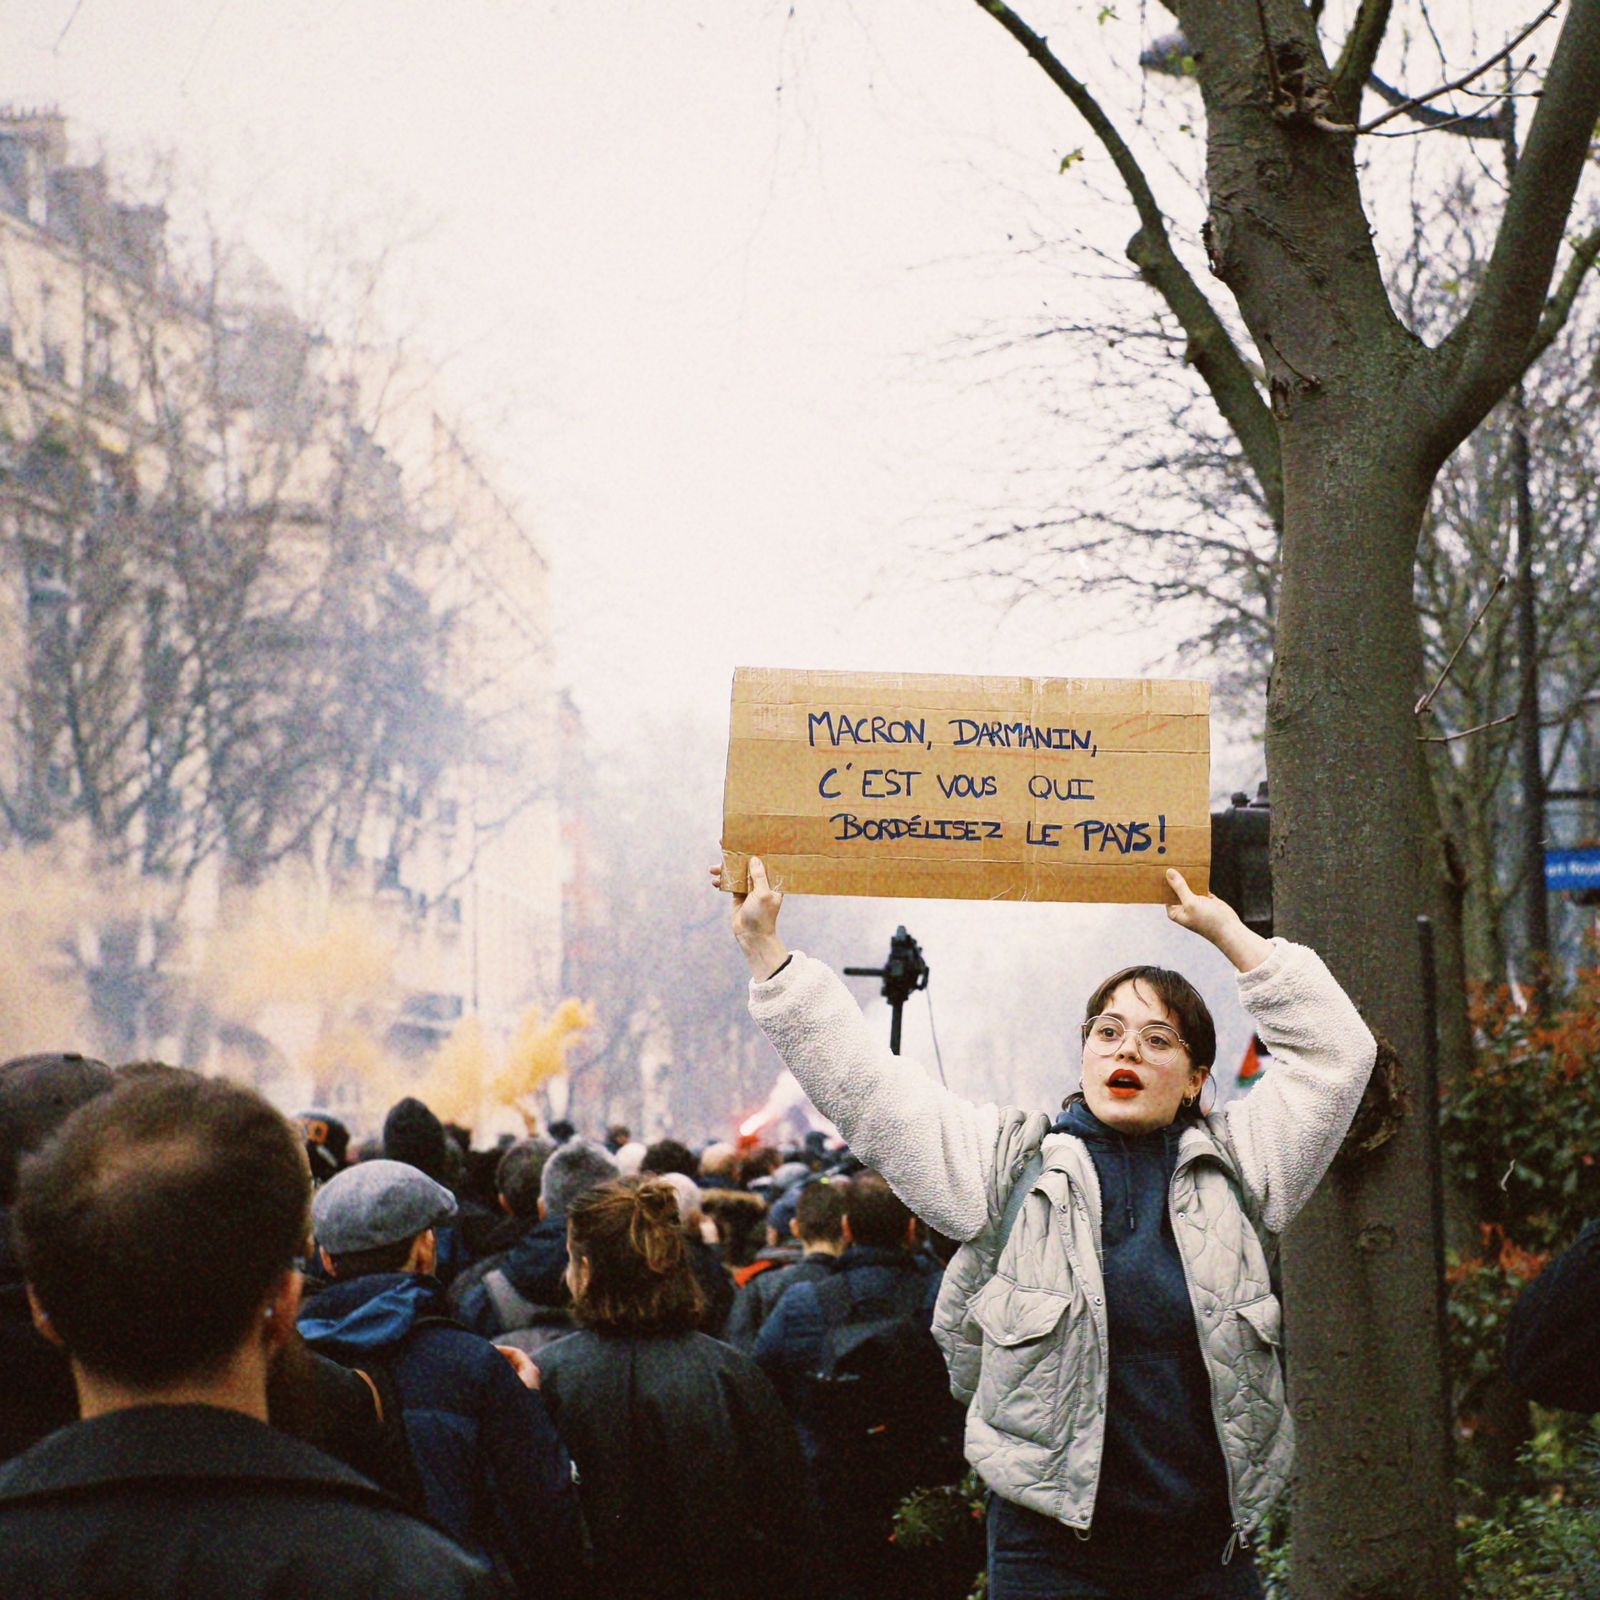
(1572, 869)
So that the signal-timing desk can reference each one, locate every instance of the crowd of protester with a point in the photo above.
(244, 1355)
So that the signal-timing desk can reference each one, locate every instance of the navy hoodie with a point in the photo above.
(494, 1471)
(1163, 1477)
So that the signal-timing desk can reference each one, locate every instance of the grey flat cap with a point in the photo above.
(375, 1203)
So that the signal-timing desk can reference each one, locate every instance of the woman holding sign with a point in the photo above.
(1109, 1318)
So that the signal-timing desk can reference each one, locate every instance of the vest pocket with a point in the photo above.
(1019, 1389)
(1013, 1314)
(1264, 1318)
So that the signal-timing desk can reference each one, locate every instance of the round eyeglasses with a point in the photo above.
(1156, 1041)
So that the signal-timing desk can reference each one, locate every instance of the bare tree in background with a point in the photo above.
(1344, 415)
(234, 650)
(646, 943)
(1198, 532)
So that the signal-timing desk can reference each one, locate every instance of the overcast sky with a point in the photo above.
(702, 275)
(706, 279)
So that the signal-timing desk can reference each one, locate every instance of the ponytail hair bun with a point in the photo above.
(655, 1231)
(629, 1234)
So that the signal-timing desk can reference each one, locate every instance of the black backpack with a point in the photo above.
(878, 1402)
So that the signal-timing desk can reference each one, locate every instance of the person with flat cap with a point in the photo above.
(494, 1472)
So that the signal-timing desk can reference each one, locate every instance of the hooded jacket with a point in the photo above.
(1023, 1321)
(1163, 1465)
(494, 1472)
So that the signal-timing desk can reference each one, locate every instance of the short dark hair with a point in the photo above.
(389, 1257)
(154, 1227)
(1178, 995)
(740, 1219)
(878, 1216)
(668, 1155)
(627, 1232)
(37, 1094)
(521, 1171)
(819, 1212)
(761, 1162)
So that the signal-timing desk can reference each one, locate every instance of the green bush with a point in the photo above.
(1546, 1545)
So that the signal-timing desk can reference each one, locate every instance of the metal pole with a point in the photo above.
(1535, 900)
(1428, 1106)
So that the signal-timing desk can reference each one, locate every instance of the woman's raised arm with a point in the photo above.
(936, 1149)
(755, 921)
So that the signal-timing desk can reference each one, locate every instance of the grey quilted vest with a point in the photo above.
(1024, 1332)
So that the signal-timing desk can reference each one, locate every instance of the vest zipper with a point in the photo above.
(1079, 1194)
(1239, 1536)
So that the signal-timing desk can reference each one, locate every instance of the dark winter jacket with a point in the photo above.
(1553, 1343)
(494, 1472)
(755, 1302)
(716, 1284)
(791, 1338)
(194, 1502)
(36, 1391)
(691, 1474)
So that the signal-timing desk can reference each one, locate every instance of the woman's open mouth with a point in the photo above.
(1124, 1083)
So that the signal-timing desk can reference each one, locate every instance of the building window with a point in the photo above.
(100, 365)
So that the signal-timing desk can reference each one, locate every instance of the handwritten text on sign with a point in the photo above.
(967, 788)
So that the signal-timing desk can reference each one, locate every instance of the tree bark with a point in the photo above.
(1372, 1515)
(1351, 866)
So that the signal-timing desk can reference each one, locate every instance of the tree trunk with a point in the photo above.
(1372, 1512)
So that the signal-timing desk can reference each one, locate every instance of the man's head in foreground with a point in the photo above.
(158, 1234)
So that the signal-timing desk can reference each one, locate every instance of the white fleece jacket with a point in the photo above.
(938, 1150)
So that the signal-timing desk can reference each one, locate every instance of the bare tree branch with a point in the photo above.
(1407, 107)
(1210, 349)
(1585, 255)
(1487, 351)
(1356, 59)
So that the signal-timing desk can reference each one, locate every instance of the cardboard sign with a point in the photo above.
(967, 788)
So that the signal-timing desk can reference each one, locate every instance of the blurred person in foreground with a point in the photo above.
(1553, 1336)
(158, 1233)
(691, 1475)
